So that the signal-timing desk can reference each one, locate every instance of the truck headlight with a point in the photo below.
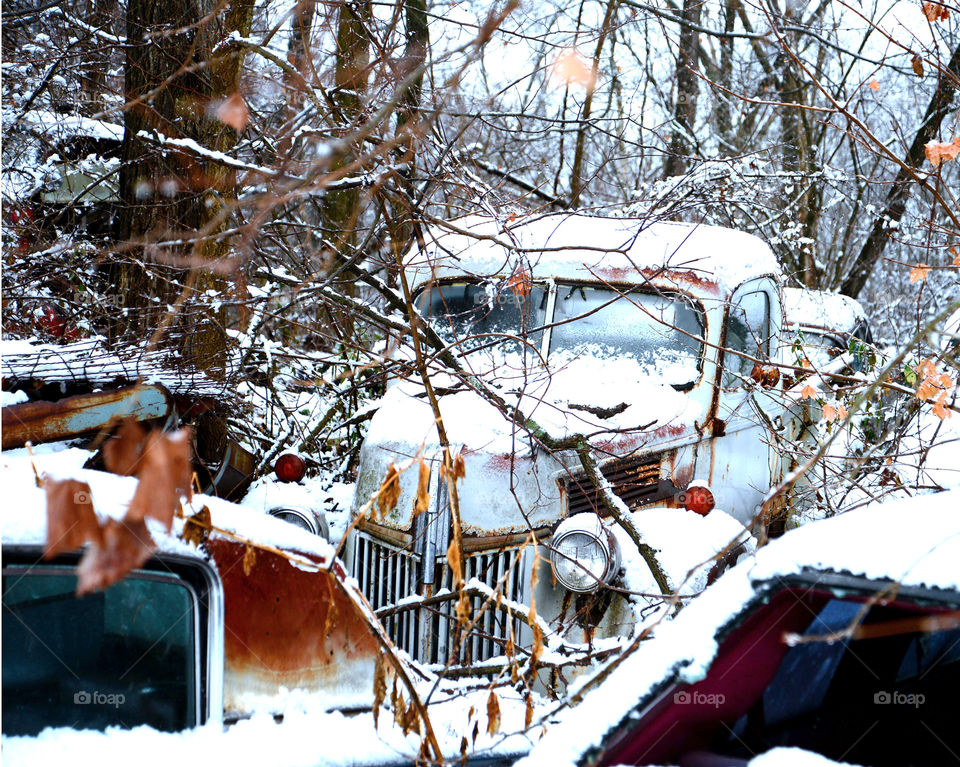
(584, 553)
(309, 520)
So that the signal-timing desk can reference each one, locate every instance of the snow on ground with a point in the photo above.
(793, 757)
(308, 736)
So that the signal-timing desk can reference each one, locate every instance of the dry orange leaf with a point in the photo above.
(829, 413)
(520, 283)
(389, 492)
(165, 474)
(574, 69)
(935, 12)
(938, 152)
(123, 452)
(956, 256)
(124, 546)
(423, 489)
(196, 529)
(919, 273)
(233, 112)
(874, 85)
(917, 63)
(71, 521)
(493, 713)
(808, 392)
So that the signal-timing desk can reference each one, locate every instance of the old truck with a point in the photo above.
(658, 342)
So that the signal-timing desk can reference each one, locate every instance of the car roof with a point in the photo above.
(914, 542)
(568, 246)
(821, 310)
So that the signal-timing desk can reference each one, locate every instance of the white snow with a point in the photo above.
(914, 541)
(585, 247)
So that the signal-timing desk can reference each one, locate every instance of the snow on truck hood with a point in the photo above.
(913, 541)
(582, 247)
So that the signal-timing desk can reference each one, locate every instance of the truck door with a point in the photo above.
(746, 461)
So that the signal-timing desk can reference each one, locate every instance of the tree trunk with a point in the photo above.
(173, 85)
(896, 203)
(685, 106)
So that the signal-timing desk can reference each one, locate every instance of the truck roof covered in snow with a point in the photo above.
(820, 309)
(592, 248)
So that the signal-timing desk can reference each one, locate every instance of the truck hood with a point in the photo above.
(510, 483)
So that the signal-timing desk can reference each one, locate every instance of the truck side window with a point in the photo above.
(748, 331)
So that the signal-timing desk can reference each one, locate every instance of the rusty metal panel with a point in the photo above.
(82, 414)
(289, 626)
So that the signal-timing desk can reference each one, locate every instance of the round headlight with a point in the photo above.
(584, 553)
(306, 520)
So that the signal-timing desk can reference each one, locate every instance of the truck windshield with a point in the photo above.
(123, 657)
(466, 314)
(662, 332)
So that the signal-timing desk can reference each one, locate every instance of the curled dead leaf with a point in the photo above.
(71, 520)
(196, 528)
(389, 492)
(919, 273)
(939, 152)
(917, 64)
(766, 377)
(123, 452)
(379, 687)
(124, 546)
(935, 12)
(165, 474)
(493, 714)
(423, 489)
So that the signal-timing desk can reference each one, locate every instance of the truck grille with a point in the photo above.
(635, 480)
(388, 574)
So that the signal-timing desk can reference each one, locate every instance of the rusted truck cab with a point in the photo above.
(648, 339)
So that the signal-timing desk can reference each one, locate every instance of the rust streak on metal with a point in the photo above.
(82, 414)
(286, 626)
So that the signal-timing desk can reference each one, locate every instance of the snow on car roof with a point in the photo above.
(820, 309)
(914, 541)
(573, 246)
(23, 518)
(91, 361)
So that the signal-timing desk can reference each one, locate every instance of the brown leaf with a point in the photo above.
(123, 452)
(124, 546)
(389, 492)
(459, 467)
(520, 283)
(955, 252)
(196, 528)
(493, 714)
(233, 112)
(453, 561)
(935, 12)
(528, 719)
(423, 489)
(71, 521)
(476, 731)
(938, 152)
(379, 687)
(249, 559)
(165, 474)
(873, 85)
(919, 273)
(766, 377)
(917, 63)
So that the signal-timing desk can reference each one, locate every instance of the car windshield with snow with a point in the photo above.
(661, 332)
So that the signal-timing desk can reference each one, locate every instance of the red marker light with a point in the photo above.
(290, 468)
(698, 499)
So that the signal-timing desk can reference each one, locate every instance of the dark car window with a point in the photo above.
(877, 700)
(124, 657)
